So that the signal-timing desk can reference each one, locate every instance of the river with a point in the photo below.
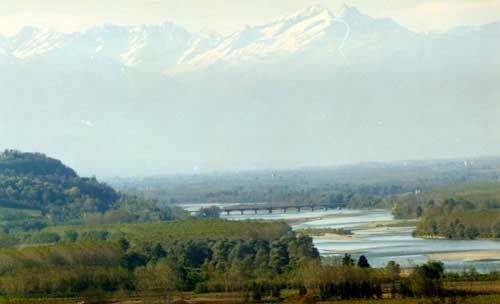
(380, 243)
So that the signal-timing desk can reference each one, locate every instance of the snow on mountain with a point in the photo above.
(150, 46)
(201, 43)
(143, 46)
(287, 35)
(313, 29)
(311, 32)
(360, 24)
(34, 42)
(335, 83)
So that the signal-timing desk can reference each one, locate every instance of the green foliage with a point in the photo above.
(211, 229)
(157, 276)
(82, 254)
(363, 262)
(37, 191)
(323, 231)
(361, 185)
(424, 281)
(461, 211)
(347, 260)
(15, 163)
(36, 182)
(209, 212)
(237, 263)
(306, 188)
(341, 282)
(44, 238)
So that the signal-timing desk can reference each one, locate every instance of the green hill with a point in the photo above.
(33, 181)
(14, 163)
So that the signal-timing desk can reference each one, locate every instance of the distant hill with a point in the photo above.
(13, 162)
(36, 182)
(316, 184)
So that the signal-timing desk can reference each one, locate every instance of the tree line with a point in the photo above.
(461, 211)
(257, 268)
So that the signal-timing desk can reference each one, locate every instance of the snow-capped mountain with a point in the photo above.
(312, 30)
(33, 42)
(288, 35)
(159, 48)
(313, 34)
(313, 84)
(144, 47)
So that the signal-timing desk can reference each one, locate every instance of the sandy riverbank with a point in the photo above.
(298, 221)
(335, 237)
(466, 255)
(391, 224)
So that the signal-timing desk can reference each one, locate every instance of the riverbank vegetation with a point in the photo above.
(467, 210)
(67, 237)
(323, 231)
(283, 269)
(211, 255)
(37, 191)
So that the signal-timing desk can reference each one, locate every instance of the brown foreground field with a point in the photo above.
(476, 287)
(486, 293)
(489, 299)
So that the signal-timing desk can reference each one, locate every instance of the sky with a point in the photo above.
(387, 96)
(228, 16)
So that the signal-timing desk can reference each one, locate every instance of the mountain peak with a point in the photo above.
(310, 11)
(169, 25)
(27, 30)
(348, 11)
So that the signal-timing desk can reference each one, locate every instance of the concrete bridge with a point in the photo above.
(269, 209)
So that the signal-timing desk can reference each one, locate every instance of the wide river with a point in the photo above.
(381, 244)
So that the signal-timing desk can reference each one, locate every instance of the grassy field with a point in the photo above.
(236, 298)
(187, 230)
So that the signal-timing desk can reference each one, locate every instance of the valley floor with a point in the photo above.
(487, 292)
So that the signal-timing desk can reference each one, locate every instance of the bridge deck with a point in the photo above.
(270, 209)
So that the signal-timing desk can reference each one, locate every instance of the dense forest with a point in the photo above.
(466, 210)
(256, 259)
(34, 181)
(62, 235)
(37, 191)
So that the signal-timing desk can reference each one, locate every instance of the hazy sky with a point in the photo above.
(387, 96)
(226, 16)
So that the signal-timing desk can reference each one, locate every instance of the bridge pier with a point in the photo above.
(284, 209)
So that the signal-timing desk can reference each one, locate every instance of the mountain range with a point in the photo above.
(309, 88)
(169, 47)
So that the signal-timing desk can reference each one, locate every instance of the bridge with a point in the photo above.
(285, 208)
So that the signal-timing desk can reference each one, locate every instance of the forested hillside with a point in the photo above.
(36, 190)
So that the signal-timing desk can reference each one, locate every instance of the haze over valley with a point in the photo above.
(250, 151)
(312, 88)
